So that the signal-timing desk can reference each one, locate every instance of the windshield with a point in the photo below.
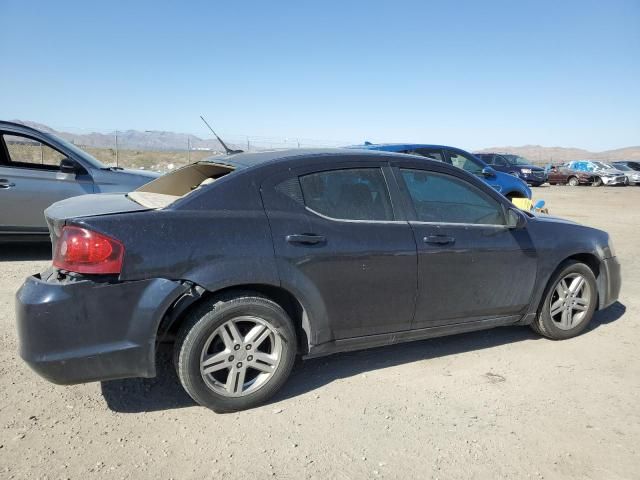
(518, 160)
(94, 162)
(601, 165)
(624, 168)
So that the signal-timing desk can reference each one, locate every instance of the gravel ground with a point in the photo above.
(495, 404)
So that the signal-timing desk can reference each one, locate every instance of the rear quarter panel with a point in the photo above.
(216, 237)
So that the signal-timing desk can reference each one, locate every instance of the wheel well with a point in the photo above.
(588, 259)
(173, 320)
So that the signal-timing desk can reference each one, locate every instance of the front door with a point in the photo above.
(338, 239)
(31, 180)
(470, 265)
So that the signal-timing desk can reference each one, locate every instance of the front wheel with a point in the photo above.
(569, 302)
(597, 182)
(573, 182)
(234, 353)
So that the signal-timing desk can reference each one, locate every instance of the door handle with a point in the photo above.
(306, 239)
(438, 239)
(4, 183)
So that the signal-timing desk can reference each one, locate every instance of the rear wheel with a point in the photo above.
(569, 302)
(597, 182)
(235, 352)
(573, 181)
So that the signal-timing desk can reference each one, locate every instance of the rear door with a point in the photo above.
(31, 180)
(470, 265)
(339, 239)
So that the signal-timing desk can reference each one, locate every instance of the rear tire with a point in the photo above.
(573, 182)
(235, 352)
(569, 302)
(597, 182)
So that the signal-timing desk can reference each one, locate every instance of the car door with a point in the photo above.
(31, 180)
(470, 265)
(339, 240)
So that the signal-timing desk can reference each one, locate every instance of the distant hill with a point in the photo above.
(132, 139)
(159, 140)
(544, 155)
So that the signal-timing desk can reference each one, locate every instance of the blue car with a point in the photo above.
(508, 185)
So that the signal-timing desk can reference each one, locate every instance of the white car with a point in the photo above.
(633, 176)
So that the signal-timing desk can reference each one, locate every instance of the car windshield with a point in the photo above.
(624, 168)
(94, 162)
(518, 160)
(601, 165)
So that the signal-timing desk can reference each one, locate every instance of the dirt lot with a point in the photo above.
(495, 404)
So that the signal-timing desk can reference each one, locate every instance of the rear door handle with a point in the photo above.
(306, 239)
(438, 239)
(4, 183)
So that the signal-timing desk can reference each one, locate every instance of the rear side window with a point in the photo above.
(426, 152)
(442, 198)
(349, 194)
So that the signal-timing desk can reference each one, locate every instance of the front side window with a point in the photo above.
(499, 161)
(28, 153)
(465, 162)
(349, 194)
(441, 198)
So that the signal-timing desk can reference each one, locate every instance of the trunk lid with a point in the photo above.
(87, 206)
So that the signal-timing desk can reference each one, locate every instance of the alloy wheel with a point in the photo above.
(570, 301)
(240, 356)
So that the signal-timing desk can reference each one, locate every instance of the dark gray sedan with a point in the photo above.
(247, 260)
(38, 168)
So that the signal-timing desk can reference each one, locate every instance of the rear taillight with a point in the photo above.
(84, 251)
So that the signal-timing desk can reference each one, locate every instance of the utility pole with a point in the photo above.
(188, 149)
(116, 137)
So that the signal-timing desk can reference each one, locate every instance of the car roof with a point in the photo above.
(396, 147)
(252, 159)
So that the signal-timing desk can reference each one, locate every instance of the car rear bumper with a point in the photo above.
(83, 331)
(609, 282)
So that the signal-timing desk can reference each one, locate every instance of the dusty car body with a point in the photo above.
(603, 174)
(38, 168)
(564, 175)
(633, 175)
(248, 260)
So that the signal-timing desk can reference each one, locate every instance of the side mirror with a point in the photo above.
(488, 172)
(68, 166)
(515, 218)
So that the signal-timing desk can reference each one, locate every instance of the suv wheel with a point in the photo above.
(234, 353)
(569, 303)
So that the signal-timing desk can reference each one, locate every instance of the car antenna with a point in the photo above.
(224, 145)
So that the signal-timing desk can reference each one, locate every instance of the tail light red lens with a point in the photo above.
(84, 251)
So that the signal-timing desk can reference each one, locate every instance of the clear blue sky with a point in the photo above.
(466, 73)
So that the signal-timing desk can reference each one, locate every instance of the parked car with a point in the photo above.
(515, 165)
(633, 176)
(510, 186)
(631, 164)
(39, 168)
(603, 174)
(248, 260)
(562, 174)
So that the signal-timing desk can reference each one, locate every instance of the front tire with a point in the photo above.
(597, 182)
(235, 352)
(573, 182)
(569, 302)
